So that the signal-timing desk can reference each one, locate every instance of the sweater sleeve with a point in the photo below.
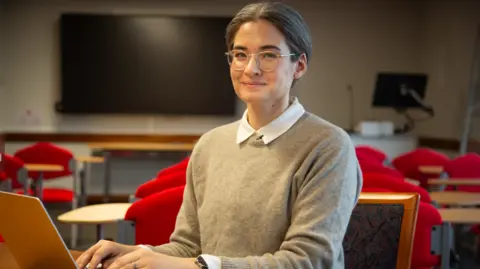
(185, 240)
(328, 192)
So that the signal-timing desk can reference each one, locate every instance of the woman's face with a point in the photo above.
(252, 84)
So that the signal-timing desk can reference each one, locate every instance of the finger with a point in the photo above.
(84, 259)
(126, 261)
(107, 263)
(98, 256)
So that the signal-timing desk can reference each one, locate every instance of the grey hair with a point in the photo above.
(286, 19)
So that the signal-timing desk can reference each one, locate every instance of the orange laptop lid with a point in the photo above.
(30, 234)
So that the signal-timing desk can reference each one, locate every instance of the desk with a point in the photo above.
(96, 214)
(40, 168)
(460, 215)
(455, 182)
(142, 146)
(456, 198)
(431, 169)
(8, 262)
(109, 148)
(33, 167)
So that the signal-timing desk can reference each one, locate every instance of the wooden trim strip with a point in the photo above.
(93, 138)
(430, 142)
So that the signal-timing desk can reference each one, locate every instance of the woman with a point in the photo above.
(273, 190)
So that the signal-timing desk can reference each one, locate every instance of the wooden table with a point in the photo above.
(96, 214)
(33, 167)
(40, 168)
(8, 262)
(86, 161)
(455, 182)
(456, 198)
(460, 215)
(108, 148)
(142, 146)
(431, 169)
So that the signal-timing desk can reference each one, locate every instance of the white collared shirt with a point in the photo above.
(275, 128)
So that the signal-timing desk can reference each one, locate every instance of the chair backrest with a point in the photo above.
(381, 230)
(13, 170)
(408, 164)
(47, 153)
(368, 166)
(154, 227)
(181, 166)
(428, 217)
(376, 180)
(167, 181)
(464, 167)
(372, 152)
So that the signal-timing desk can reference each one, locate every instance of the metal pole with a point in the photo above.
(471, 102)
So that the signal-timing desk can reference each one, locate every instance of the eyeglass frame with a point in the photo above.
(255, 55)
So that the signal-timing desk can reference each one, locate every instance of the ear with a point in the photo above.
(301, 67)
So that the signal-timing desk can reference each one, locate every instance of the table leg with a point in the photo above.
(106, 190)
(100, 232)
(84, 175)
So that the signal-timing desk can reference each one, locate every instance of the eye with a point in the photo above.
(239, 55)
(268, 55)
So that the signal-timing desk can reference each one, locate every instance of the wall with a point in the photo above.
(448, 40)
(353, 40)
(2, 63)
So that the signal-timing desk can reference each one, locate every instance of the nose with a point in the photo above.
(252, 67)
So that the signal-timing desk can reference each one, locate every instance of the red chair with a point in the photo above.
(371, 166)
(372, 152)
(376, 180)
(14, 173)
(429, 226)
(47, 153)
(464, 167)
(155, 216)
(164, 182)
(409, 163)
(428, 249)
(181, 166)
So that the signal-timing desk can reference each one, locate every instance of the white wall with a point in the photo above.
(353, 40)
(450, 28)
(2, 64)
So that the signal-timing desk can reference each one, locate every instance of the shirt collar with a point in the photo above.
(275, 128)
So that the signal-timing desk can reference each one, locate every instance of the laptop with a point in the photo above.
(30, 234)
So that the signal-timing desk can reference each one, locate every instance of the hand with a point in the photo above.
(147, 259)
(103, 251)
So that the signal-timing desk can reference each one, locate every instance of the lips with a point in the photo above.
(254, 83)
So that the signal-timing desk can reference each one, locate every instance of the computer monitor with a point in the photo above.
(400, 91)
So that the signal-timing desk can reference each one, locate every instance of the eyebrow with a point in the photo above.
(265, 47)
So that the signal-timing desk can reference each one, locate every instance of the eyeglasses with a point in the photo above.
(266, 60)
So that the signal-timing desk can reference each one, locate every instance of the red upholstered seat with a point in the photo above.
(372, 166)
(378, 180)
(52, 195)
(181, 166)
(166, 181)
(372, 152)
(464, 167)
(408, 164)
(12, 165)
(48, 153)
(155, 216)
(428, 216)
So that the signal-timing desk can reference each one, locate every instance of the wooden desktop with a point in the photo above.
(8, 262)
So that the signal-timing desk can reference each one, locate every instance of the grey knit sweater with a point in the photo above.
(282, 205)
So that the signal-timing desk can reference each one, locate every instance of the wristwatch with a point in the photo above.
(201, 263)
